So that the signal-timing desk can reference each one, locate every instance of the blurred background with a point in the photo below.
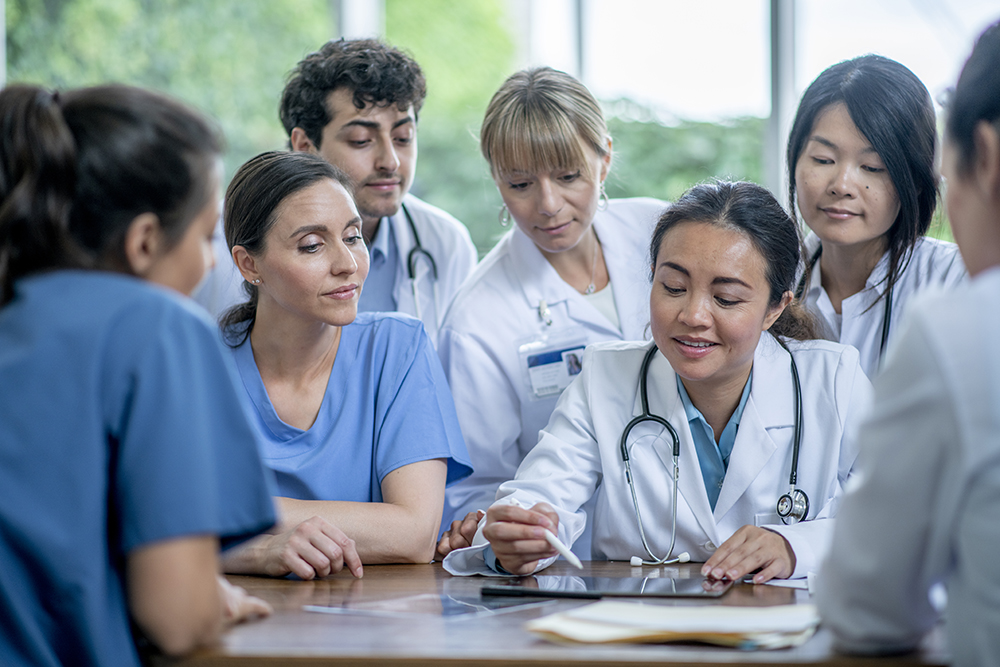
(692, 90)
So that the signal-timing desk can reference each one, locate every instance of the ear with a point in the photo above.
(774, 313)
(245, 263)
(144, 243)
(606, 161)
(300, 142)
(986, 168)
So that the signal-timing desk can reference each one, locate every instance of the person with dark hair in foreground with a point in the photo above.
(127, 457)
(925, 510)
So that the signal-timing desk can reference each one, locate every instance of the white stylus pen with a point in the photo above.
(563, 549)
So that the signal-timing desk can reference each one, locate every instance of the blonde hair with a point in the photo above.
(541, 120)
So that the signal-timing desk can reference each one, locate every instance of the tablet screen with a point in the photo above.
(603, 587)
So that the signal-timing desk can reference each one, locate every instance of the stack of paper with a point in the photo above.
(742, 627)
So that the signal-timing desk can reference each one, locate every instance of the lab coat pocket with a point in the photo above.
(767, 519)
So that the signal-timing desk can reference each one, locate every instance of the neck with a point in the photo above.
(717, 401)
(369, 228)
(844, 270)
(581, 265)
(291, 349)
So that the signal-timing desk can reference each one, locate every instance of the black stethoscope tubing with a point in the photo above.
(886, 314)
(417, 251)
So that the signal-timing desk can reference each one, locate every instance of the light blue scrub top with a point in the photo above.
(713, 458)
(121, 425)
(381, 281)
(387, 405)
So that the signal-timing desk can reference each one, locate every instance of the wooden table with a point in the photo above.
(293, 636)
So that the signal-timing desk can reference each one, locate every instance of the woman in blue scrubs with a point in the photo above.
(125, 454)
(356, 416)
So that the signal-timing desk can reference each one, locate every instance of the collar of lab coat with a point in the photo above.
(770, 406)
(539, 281)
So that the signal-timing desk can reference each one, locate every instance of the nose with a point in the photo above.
(844, 183)
(549, 202)
(387, 160)
(695, 312)
(343, 262)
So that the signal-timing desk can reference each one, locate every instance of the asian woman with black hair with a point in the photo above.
(127, 456)
(861, 172)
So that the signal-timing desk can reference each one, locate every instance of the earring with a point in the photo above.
(602, 200)
(504, 216)
(256, 281)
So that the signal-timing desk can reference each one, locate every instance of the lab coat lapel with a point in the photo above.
(402, 291)
(771, 406)
(665, 401)
(627, 280)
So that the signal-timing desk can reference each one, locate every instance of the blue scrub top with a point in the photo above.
(120, 426)
(387, 405)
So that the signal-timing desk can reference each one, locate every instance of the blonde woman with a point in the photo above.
(570, 272)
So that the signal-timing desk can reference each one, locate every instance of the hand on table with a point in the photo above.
(517, 535)
(313, 548)
(459, 535)
(750, 549)
(238, 605)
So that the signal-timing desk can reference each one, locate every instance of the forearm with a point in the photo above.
(383, 532)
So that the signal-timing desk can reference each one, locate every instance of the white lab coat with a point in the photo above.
(578, 455)
(498, 308)
(444, 237)
(934, 263)
(925, 505)
(448, 242)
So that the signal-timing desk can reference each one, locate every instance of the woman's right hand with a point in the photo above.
(238, 605)
(517, 535)
(313, 548)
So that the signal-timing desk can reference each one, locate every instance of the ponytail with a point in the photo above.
(37, 181)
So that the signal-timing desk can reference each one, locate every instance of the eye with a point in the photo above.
(311, 248)
(821, 160)
(673, 291)
(569, 178)
(353, 239)
(726, 303)
(520, 185)
(873, 170)
(403, 141)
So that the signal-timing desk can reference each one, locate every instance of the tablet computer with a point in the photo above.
(595, 588)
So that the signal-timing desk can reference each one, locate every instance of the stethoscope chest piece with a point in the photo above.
(793, 506)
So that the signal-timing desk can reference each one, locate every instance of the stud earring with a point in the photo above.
(256, 281)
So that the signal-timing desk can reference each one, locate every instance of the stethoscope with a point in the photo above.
(792, 507)
(886, 315)
(416, 252)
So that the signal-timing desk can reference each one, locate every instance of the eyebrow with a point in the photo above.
(309, 229)
(719, 280)
(829, 144)
(372, 125)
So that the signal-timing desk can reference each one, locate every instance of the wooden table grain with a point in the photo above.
(293, 636)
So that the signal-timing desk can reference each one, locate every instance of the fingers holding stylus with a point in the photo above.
(517, 535)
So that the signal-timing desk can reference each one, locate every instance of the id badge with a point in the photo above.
(551, 361)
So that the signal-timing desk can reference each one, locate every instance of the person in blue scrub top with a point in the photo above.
(357, 419)
(127, 457)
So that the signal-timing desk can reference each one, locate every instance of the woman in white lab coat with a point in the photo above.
(861, 160)
(724, 259)
(925, 511)
(568, 274)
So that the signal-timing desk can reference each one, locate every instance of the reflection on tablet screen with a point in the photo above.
(598, 587)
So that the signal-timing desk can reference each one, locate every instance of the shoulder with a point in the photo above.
(443, 225)
(824, 354)
(935, 262)
(616, 354)
(386, 327)
(643, 211)
(490, 282)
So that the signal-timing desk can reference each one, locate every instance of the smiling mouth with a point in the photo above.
(839, 213)
(695, 344)
(556, 229)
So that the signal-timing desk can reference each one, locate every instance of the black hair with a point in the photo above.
(752, 210)
(892, 110)
(252, 201)
(77, 168)
(976, 97)
(377, 73)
